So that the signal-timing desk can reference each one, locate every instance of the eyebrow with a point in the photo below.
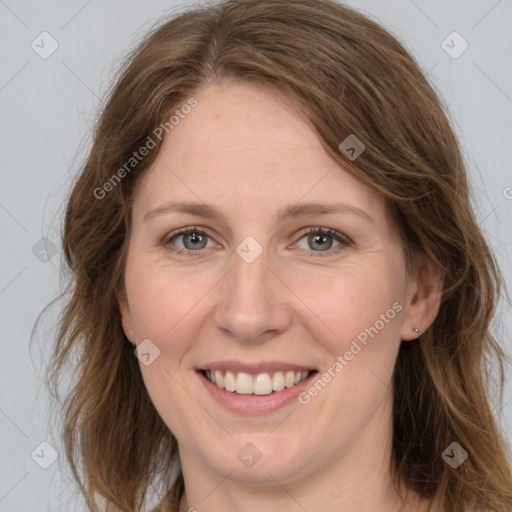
(289, 212)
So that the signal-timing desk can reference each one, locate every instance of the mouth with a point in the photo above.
(260, 384)
(254, 388)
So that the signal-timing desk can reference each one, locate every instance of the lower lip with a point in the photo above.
(255, 404)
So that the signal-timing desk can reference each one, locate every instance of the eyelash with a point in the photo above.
(344, 240)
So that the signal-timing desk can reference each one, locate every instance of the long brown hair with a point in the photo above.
(347, 75)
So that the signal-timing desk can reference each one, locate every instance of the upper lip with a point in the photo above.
(255, 368)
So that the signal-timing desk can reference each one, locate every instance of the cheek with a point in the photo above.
(362, 310)
(163, 307)
(162, 301)
(359, 299)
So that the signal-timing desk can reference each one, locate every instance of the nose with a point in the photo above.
(253, 305)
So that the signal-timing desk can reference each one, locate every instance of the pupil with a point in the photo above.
(195, 238)
(317, 238)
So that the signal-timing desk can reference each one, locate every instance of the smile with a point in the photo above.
(254, 388)
(266, 383)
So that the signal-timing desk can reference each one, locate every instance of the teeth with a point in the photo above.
(243, 384)
(278, 381)
(289, 379)
(219, 379)
(229, 382)
(261, 384)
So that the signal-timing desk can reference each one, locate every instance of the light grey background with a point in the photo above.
(48, 106)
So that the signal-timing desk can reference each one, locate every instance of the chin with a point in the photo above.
(259, 461)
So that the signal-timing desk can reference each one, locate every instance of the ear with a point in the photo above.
(423, 299)
(126, 316)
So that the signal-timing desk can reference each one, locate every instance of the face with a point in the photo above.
(299, 315)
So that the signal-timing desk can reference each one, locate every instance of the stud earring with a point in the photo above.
(415, 329)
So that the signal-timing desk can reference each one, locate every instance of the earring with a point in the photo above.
(415, 329)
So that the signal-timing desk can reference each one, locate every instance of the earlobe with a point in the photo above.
(424, 301)
(126, 317)
(416, 330)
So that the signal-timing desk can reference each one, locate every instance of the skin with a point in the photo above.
(246, 151)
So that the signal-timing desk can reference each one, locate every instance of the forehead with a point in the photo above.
(242, 145)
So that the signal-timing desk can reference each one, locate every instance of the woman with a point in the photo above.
(275, 219)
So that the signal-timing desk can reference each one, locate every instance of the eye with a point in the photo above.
(194, 239)
(321, 238)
